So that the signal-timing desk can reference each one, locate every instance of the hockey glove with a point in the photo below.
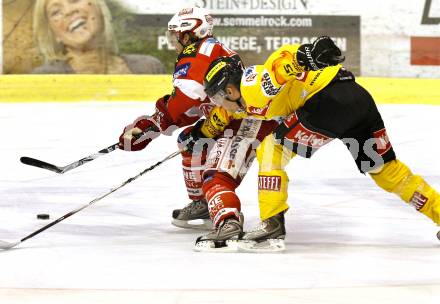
(138, 135)
(190, 136)
(322, 53)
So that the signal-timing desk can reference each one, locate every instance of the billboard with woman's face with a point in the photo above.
(128, 36)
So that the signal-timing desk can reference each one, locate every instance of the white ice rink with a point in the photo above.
(348, 241)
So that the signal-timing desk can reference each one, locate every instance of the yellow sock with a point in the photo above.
(272, 193)
(272, 178)
(397, 178)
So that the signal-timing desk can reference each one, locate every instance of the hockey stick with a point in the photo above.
(7, 245)
(58, 169)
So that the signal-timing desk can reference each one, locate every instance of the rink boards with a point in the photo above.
(74, 88)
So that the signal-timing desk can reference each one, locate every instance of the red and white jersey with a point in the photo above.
(190, 69)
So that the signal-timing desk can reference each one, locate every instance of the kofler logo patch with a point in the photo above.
(301, 135)
(383, 143)
(259, 111)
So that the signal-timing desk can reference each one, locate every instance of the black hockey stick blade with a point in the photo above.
(40, 164)
(59, 169)
(6, 245)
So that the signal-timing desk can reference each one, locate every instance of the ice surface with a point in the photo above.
(348, 241)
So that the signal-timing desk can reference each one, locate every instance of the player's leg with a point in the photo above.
(195, 214)
(227, 164)
(397, 178)
(272, 197)
(272, 178)
(197, 140)
(224, 209)
(376, 157)
(304, 132)
(223, 203)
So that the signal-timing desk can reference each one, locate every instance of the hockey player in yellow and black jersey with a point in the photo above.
(316, 100)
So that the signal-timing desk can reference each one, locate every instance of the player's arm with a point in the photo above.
(292, 59)
(215, 122)
(283, 64)
(137, 135)
(172, 112)
(261, 83)
(213, 125)
(217, 119)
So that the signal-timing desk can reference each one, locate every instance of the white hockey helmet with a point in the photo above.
(193, 20)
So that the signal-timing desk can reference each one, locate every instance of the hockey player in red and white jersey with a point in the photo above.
(190, 32)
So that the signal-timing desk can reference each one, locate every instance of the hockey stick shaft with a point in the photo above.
(58, 169)
(6, 245)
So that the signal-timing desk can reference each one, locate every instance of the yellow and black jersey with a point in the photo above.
(275, 89)
(280, 86)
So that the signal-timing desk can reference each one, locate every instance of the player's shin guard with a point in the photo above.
(397, 178)
(193, 166)
(272, 193)
(223, 203)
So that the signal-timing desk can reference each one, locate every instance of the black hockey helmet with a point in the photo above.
(222, 71)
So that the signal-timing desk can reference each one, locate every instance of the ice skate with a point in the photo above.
(194, 216)
(268, 237)
(222, 239)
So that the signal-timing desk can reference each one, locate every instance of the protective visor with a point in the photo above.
(219, 98)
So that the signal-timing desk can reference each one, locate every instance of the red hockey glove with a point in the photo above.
(162, 118)
(138, 135)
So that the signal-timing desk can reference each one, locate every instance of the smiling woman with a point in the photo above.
(76, 36)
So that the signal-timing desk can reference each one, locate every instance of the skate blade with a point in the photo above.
(213, 246)
(268, 246)
(194, 224)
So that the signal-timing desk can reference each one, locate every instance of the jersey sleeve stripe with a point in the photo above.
(190, 88)
(206, 48)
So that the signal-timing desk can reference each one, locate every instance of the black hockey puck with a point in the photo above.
(43, 216)
(438, 235)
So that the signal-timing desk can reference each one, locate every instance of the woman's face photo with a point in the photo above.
(75, 23)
